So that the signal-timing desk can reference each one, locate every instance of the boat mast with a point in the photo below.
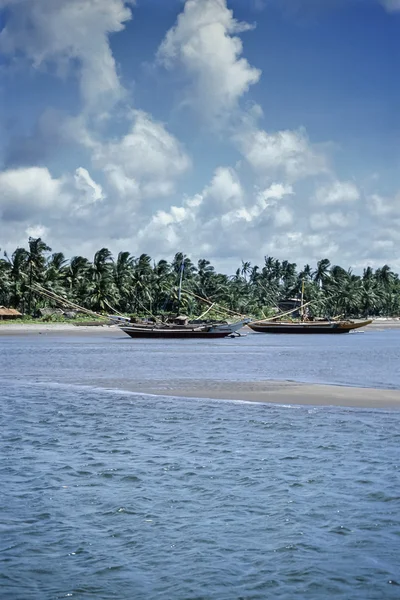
(302, 300)
(180, 285)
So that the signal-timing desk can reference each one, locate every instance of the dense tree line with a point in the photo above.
(137, 285)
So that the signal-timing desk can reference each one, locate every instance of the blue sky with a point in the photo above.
(226, 129)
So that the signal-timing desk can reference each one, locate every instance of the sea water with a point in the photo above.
(109, 494)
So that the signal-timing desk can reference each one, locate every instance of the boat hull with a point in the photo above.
(177, 334)
(184, 332)
(308, 328)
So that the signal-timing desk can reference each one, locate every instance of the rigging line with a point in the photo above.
(62, 302)
(148, 311)
(69, 305)
(206, 312)
(289, 312)
(53, 296)
(113, 309)
(209, 302)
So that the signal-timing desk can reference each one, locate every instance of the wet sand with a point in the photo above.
(274, 392)
(384, 324)
(21, 329)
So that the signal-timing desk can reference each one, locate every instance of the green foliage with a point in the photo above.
(138, 286)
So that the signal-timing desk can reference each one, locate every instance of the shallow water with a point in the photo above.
(107, 494)
(369, 359)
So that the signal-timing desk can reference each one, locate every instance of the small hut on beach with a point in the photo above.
(9, 313)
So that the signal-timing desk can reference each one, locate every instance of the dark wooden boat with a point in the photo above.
(183, 330)
(305, 327)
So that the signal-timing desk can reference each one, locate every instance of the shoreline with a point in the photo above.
(15, 328)
(21, 329)
(278, 392)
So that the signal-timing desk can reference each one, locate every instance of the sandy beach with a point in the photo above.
(21, 329)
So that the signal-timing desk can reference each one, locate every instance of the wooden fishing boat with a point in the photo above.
(179, 326)
(183, 330)
(307, 326)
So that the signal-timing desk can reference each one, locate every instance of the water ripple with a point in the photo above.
(106, 495)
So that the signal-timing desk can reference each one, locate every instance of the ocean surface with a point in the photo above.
(108, 494)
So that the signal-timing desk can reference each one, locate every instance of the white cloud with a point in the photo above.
(337, 219)
(283, 217)
(337, 192)
(32, 192)
(88, 192)
(287, 153)
(204, 44)
(391, 5)
(36, 231)
(145, 162)
(135, 172)
(222, 219)
(381, 206)
(62, 32)
(27, 191)
(189, 221)
(124, 186)
(224, 192)
(83, 181)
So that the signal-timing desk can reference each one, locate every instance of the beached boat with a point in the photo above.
(179, 326)
(182, 328)
(307, 326)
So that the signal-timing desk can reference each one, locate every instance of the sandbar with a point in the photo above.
(272, 392)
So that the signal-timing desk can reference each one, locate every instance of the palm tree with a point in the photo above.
(321, 274)
(138, 285)
(123, 278)
(76, 279)
(55, 273)
(5, 282)
(37, 265)
(245, 269)
(306, 273)
(103, 293)
(19, 264)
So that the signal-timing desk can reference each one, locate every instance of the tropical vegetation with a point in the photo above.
(140, 286)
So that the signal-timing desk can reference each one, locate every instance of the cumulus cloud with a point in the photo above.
(204, 44)
(381, 206)
(65, 32)
(32, 193)
(287, 153)
(145, 162)
(337, 192)
(298, 210)
(29, 191)
(333, 220)
(222, 220)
